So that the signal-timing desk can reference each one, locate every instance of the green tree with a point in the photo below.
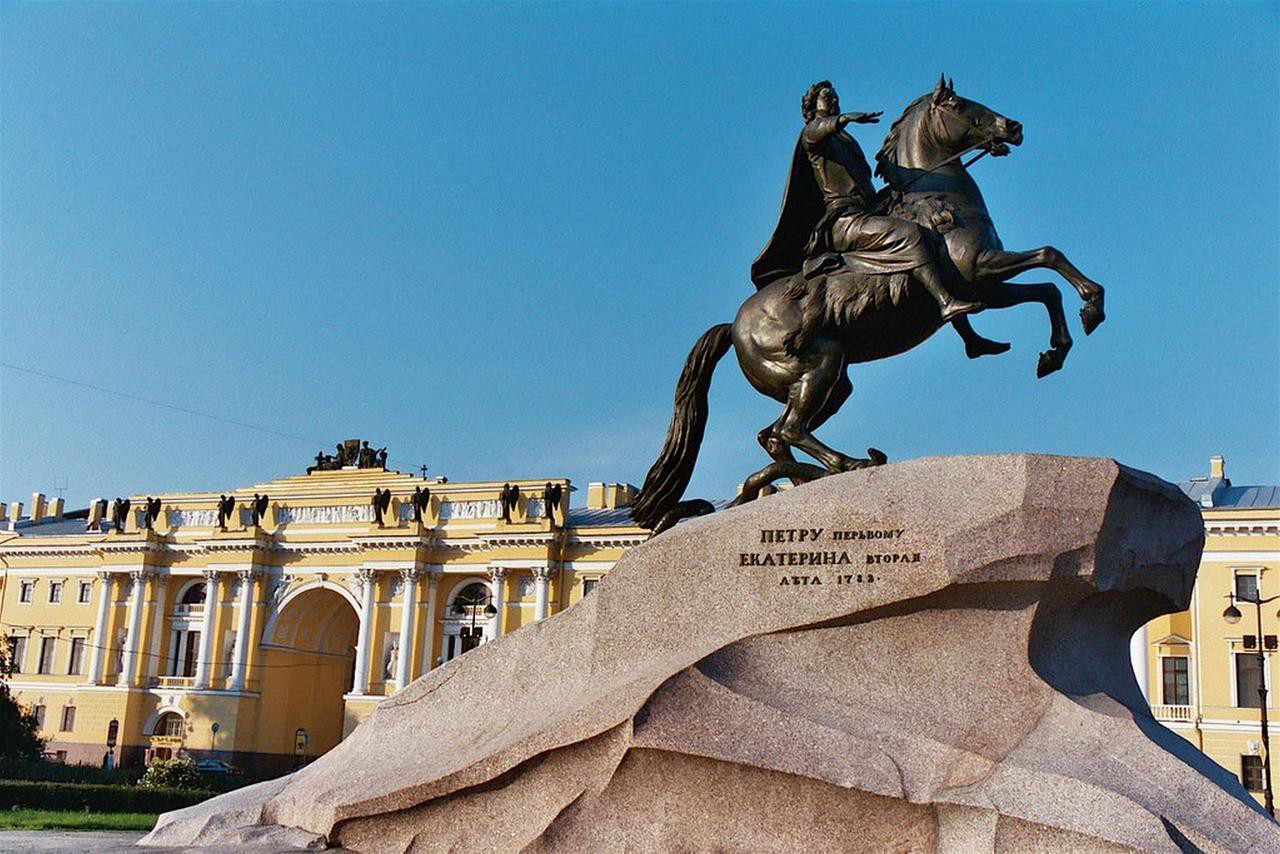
(20, 739)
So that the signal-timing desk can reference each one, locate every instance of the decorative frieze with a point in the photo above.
(324, 514)
(470, 510)
(191, 517)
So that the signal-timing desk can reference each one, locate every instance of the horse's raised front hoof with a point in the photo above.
(1092, 315)
(979, 346)
(1050, 361)
(878, 458)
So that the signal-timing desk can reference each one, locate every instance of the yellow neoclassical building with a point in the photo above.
(1201, 668)
(259, 627)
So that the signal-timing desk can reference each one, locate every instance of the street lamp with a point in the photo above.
(1232, 615)
(461, 605)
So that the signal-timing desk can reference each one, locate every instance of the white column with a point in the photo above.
(429, 620)
(204, 663)
(154, 649)
(133, 639)
(499, 576)
(98, 649)
(367, 580)
(541, 583)
(408, 605)
(248, 580)
(1138, 659)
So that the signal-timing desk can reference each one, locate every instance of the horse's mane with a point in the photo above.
(889, 151)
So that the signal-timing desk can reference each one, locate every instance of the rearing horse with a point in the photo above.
(929, 184)
(796, 337)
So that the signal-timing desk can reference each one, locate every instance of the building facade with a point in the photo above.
(127, 641)
(260, 627)
(1201, 668)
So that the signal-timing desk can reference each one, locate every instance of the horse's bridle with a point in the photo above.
(952, 159)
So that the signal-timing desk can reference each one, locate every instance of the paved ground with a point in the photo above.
(96, 841)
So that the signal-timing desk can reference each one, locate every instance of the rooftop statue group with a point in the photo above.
(852, 274)
(350, 453)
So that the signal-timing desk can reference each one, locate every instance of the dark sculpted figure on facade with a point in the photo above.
(421, 501)
(552, 495)
(381, 501)
(152, 511)
(119, 514)
(835, 285)
(508, 500)
(259, 508)
(226, 508)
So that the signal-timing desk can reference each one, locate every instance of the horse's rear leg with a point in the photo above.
(1005, 265)
(811, 400)
(770, 439)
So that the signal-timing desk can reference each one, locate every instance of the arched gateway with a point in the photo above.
(308, 651)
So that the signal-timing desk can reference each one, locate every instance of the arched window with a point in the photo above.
(170, 724)
(194, 595)
(472, 596)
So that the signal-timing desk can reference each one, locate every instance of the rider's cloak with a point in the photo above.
(859, 241)
(802, 207)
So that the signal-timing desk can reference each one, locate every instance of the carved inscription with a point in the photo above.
(842, 557)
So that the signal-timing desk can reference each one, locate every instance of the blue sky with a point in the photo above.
(486, 236)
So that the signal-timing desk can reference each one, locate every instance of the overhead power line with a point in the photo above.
(186, 410)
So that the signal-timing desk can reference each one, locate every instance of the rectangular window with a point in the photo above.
(47, 649)
(1246, 587)
(76, 667)
(1248, 681)
(1251, 773)
(589, 584)
(38, 711)
(189, 655)
(17, 652)
(86, 592)
(68, 718)
(1177, 688)
(55, 591)
(27, 592)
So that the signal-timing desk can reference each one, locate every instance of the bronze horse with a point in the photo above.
(796, 337)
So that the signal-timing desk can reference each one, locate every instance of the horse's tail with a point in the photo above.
(670, 473)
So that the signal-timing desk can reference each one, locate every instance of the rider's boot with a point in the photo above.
(950, 306)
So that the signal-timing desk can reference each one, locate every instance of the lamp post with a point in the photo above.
(460, 608)
(1232, 615)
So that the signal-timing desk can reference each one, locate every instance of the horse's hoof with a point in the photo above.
(985, 347)
(1050, 361)
(877, 457)
(1092, 315)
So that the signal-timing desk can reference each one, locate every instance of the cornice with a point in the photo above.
(521, 539)
(604, 541)
(1243, 528)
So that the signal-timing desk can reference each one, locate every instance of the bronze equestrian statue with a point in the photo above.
(851, 275)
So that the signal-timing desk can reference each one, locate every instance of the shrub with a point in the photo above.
(59, 772)
(84, 796)
(171, 774)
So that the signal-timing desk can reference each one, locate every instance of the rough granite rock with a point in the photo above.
(959, 681)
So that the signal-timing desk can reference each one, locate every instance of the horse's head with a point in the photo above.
(941, 123)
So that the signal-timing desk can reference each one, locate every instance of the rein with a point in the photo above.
(952, 159)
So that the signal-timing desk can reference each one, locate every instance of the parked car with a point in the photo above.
(216, 766)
